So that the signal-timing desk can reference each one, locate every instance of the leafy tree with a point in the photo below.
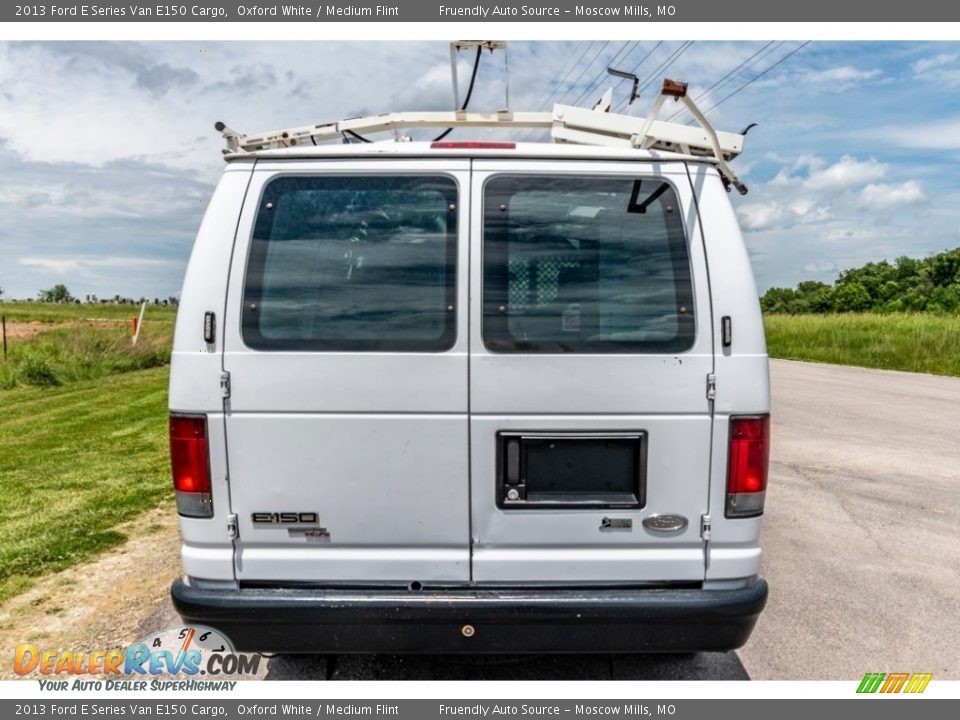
(57, 294)
(945, 268)
(818, 296)
(850, 297)
(781, 300)
(930, 284)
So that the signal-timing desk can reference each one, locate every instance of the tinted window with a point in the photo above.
(353, 263)
(585, 264)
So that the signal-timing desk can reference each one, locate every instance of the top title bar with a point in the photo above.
(452, 11)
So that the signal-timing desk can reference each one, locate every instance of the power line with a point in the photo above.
(567, 69)
(547, 94)
(573, 84)
(757, 77)
(584, 71)
(533, 133)
(644, 58)
(598, 80)
(662, 67)
(746, 63)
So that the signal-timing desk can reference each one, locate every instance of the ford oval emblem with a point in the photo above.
(665, 523)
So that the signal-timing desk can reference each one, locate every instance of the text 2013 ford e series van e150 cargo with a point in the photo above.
(472, 396)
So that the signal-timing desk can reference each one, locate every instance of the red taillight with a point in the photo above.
(473, 145)
(190, 462)
(749, 455)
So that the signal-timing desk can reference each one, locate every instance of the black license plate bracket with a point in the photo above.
(582, 470)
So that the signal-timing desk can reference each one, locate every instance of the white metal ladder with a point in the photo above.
(566, 123)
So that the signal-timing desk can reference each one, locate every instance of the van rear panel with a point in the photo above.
(451, 398)
(389, 324)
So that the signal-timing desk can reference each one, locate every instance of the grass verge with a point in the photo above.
(45, 353)
(67, 312)
(910, 342)
(75, 462)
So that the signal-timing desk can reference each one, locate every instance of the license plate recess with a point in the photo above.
(571, 470)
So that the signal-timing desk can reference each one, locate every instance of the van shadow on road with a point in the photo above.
(693, 666)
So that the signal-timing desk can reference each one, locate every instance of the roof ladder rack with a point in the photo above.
(578, 125)
(566, 123)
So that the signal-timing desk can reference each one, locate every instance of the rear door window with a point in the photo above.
(585, 264)
(351, 263)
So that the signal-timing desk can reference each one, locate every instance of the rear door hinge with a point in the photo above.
(711, 386)
(225, 384)
(705, 527)
(232, 528)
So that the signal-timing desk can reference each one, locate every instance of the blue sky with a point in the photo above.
(108, 155)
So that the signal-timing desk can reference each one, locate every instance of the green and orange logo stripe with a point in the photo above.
(894, 682)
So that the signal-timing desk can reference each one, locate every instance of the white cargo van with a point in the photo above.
(472, 396)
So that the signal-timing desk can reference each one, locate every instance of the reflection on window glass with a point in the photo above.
(353, 263)
(585, 264)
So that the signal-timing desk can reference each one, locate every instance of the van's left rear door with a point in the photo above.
(346, 348)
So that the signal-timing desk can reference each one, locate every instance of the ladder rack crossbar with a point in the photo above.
(566, 123)
(389, 122)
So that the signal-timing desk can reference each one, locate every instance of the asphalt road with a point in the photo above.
(861, 548)
(862, 532)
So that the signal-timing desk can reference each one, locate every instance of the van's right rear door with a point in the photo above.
(591, 346)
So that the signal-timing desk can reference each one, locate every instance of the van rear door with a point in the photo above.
(589, 361)
(346, 421)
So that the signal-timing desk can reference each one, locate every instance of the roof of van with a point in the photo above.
(466, 149)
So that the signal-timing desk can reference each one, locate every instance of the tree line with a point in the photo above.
(60, 294)
(931, 284)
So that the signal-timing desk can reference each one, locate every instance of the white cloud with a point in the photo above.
(934, 135)
(846, 173)
(762, 216)
(820, 266)
(942, 70)
(929, 63)
(83, 265)
(891, 197)
(842, 74)
(812, 173)
(60, 267)
(91, 103)
(841, 77)
(847, 234)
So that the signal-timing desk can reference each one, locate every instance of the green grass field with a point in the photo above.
(56, 313)
(83, 432)
(76, 461)
(911, 342)
(49, 345)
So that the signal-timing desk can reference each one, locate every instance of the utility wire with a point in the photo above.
(546, 95)
(533, 133)
(661, 68)
(598, 80)
(573, 84)
(584, 71)
(646, 57)
(566, 71)
(757, 77)
(746, 63)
